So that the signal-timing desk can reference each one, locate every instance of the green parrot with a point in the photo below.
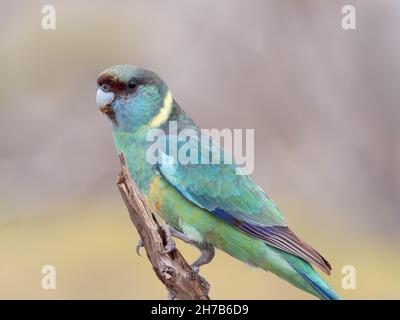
(203, 203)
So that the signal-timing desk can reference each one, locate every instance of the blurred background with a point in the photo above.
(324, 103)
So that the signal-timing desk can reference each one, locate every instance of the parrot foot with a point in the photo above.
(207, 250)
(203, 280)
(170, 243)
(206, 256)
(139, 244)
(205, 284)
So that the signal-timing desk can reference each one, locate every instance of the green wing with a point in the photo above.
(217, 186)
(230, 196)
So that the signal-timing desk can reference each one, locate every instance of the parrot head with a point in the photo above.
(132, 97)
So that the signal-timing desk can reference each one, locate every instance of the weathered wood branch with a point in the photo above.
(171, 268)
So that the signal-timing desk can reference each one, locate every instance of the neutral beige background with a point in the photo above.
(324, 104)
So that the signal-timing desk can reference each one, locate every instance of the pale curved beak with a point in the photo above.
(104, 99)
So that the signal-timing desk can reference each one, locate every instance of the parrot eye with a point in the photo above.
(132, 84)
(105, 87)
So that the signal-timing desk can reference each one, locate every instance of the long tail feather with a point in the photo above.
(323, 289)
(318, 284)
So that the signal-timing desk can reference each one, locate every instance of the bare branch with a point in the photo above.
(171, 268)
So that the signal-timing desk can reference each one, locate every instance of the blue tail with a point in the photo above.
(317, 285)
(321, 287)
